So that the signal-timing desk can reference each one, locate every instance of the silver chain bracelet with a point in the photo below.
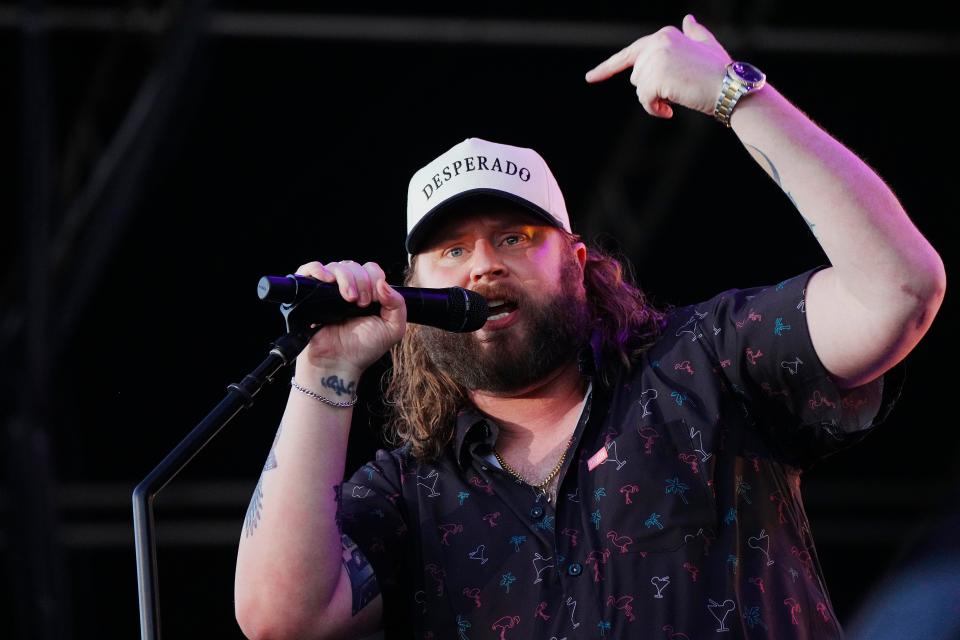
(317, 396)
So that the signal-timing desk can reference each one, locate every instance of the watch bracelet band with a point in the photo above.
(730, 93)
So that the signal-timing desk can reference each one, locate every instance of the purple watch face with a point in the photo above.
(747, 71)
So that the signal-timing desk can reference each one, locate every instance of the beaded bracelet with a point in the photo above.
(317, 396)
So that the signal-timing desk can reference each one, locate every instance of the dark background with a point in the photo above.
(158, 158)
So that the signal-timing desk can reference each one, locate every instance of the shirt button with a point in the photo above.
(575, 569)
(536, 512)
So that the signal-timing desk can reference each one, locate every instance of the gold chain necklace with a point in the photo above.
(542, 485)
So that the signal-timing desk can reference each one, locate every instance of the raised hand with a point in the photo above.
(671, 67)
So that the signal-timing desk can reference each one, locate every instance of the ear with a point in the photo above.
(580, 251)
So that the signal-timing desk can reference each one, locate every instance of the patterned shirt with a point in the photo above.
(678, 514)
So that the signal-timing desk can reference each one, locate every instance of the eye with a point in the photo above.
(455, 252)
(513, 239)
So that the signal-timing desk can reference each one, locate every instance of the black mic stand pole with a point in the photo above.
(239, 396)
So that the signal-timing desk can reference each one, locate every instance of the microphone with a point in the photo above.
(451, 309)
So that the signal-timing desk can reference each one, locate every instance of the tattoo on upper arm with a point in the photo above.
(775, 174)
(363, 582)
(256, 502)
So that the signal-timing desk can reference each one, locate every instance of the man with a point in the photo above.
(585, 465)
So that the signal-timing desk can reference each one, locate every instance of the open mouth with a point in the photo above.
(500, 308)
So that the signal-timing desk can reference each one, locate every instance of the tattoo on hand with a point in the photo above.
(337, 384)
(363, 581)
(256, 502)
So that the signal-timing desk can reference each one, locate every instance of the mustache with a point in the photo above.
(500, 291)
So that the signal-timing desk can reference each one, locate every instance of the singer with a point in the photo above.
(586, 465)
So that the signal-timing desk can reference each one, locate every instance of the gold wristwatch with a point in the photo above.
(741, 79)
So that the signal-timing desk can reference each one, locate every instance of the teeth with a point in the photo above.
(499, 315)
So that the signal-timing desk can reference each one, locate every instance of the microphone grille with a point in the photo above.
(468, 310)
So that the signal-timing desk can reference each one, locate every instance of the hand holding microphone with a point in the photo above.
(451, 309)
(362, 315)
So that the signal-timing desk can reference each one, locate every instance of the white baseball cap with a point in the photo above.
(475, 167)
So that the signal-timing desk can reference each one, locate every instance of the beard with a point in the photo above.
(510, 360)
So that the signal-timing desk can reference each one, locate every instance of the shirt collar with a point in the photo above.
(472, 428)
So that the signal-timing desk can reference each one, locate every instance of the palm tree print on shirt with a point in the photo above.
(675, 487)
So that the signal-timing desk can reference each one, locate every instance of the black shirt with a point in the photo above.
(678, 510)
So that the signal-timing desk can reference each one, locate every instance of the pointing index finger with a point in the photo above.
(611, 66)
(616, 63)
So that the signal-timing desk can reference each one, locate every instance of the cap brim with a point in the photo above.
(428, 222)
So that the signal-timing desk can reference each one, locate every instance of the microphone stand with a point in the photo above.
(239, 396)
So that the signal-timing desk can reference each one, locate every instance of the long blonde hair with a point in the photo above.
(425, 401)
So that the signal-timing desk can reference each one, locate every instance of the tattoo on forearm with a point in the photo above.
(253, 510)
(252, 518)
(338, 514)
(363, 581)
(338, 385)
(772, 170)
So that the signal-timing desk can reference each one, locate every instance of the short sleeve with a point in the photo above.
(372, 513)
(760, 339)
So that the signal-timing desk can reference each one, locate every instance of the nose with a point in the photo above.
(486, 263)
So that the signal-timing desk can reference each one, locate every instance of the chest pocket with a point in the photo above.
(648, 489)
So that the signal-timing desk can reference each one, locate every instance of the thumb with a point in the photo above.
(392, 306)
(696, 31)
